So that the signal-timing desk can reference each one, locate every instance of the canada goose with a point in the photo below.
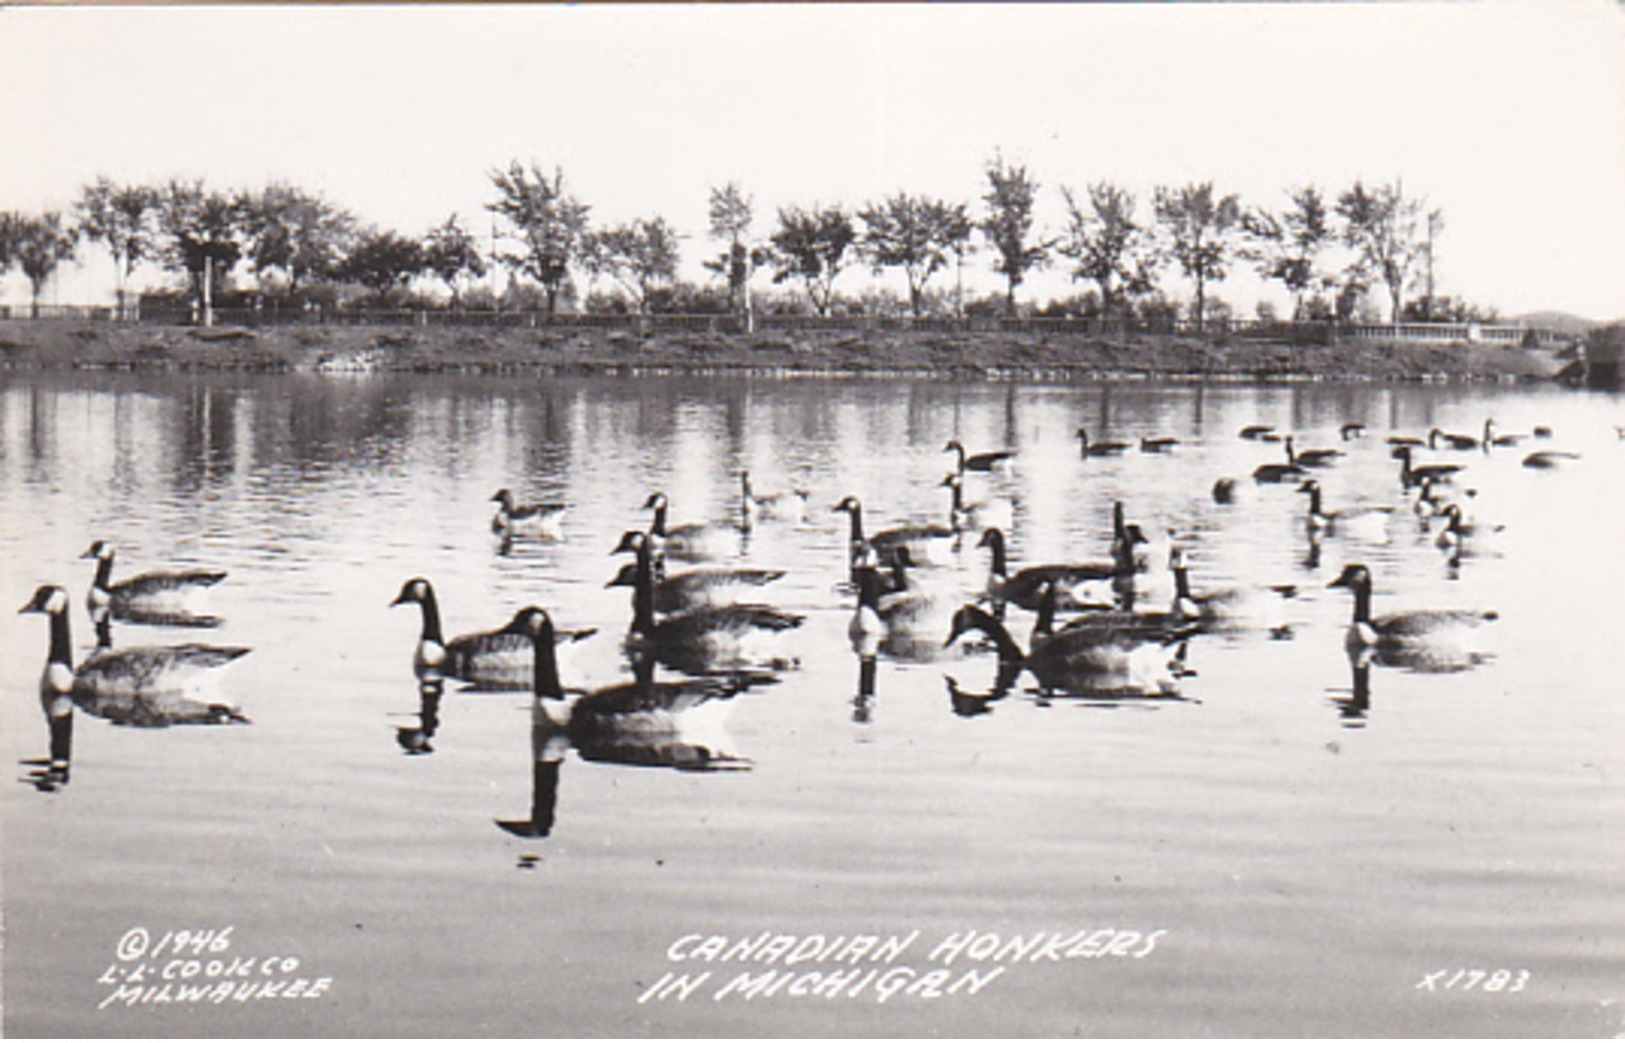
(787, 506)
(1224, 490)
(149, 687)
(1367, 523)
(1229, 606)
(1493, 439)
(997, 460)
(895, 621)
(1410, 474)
(708, 585)
(490, 660)
(1259, 433)
(1413, 441)
(527, 519)
(929, 544)
(707, 639)
(1113, 656)
(152, 597)
(1157, 444)
(1541, 431)
(1351, 430)
(1088, 448)
(692, 540)
(1311, 457)
(1417, 632)
(605, 718)
(1435, 436)
(1280, 472)
(1547, 459)
(1026, 586)
(978, 515)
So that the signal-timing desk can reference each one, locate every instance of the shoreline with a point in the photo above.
(57, 345)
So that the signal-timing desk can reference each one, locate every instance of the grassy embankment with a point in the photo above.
(79, 345)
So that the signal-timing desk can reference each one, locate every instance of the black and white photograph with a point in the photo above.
(812, 520)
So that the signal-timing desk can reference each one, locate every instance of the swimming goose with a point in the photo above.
(1547, 459)
(1352, 430)
(1088, 448)
(490, 660)
(706, 639)
(977, 515)
(1224, 490)
(708, 585)
(643, 712)
(1026, 587)
(1229, 606)
(1435, 436)
(1410, 474)
(149, 687)
(999, 459)
(1259, 433)
(692, 540)
(1422, 633)
(1366, 523)
(1413, 441)
(527, 519)
(787, 506)
(1105, 657)
(152, 597)
(1157, 444)
(1311, 457)
(928, 544)
(1291, 469)
(1493, 439)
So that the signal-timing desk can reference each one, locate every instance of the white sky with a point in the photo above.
(1510, 116)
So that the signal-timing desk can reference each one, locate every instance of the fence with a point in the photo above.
(1297, 332)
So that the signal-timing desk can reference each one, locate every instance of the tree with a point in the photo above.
(1383, 228)
(1009, 221)
(1287, 246)
(450, 252)
(201, 232)
(914, 233)
(121, 216)
(1199, 228)
(38, 246)
(731, 217)
(811, 245)
(548, 222)
(640, 255)
(382, 261)
(10, 224)
(291, 231)
(1105, 244)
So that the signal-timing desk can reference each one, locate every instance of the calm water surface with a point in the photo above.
(1278, 851)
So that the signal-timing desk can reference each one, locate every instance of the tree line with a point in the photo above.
(1326, 250)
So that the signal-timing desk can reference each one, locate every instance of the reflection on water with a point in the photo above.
(1476, 786)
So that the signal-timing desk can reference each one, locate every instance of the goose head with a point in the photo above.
(504, 497)
(50, 599)
(632, 540)
(971, 617)
(415, 589)
(627, 577)
(655, 502)
(99, 549)
(1355, 577)
(848, 504)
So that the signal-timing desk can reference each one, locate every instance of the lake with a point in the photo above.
(1285, 844)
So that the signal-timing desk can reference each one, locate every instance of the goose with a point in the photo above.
(1541, 431)
(641, 717)
(1367, 523)
(1435, 436)
(692, 540)
(1410, 474)
(707, 639)
(709, 585)
(1157, 444)
(1395, 441)
(1259, 433)
(1088, 448)
(928, 544)
(787, 506)
(1493, 439)
(1311, 457)
(999, 459)
(1453, 535)
(1422, 634)
(527, 519)
(1280, 472)
(1112, 656)
(156, 597)
(1224, 490)
(1351, 430)
(1229, 606)
(1547, 459)
(978, 515)
(1072, 580)
(489, 660)
(148, 687)
(894, 621)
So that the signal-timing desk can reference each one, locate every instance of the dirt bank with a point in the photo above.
(79, 345)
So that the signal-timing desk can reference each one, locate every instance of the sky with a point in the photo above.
(1508, 116)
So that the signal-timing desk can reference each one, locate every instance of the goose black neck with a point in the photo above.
(104, 571)
(61, 640)
(547, 666)
(1119, 522)
(643, 591)
(1009, 651)
(658, 528)
(855, 527)
(995, 542)
(1362, 600)
(1182, 583)
(431, 615)
(1314, 499)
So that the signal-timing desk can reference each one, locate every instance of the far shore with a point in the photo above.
(54, 344)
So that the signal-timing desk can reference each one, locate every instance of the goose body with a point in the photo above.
(1351, 430)
(1229, 606)
(927, 543)
(998, 459)
(151, 687)
(157, 597)
(1157, 444)
(1548, 459)
(1109, 657)
(1311, 457)
(979, 514)
(1026, 586)
(706, 585)
(1368, 523)
(1280, 472)
(490, 660)
(1493, 439)
(526, 519)
(1410, 474)
(692, 540)
(1088, 448)
(1418, 637)
(787, 506)
(1451, 441)
(1259, 433)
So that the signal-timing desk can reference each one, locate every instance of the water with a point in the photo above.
(1269, 853)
